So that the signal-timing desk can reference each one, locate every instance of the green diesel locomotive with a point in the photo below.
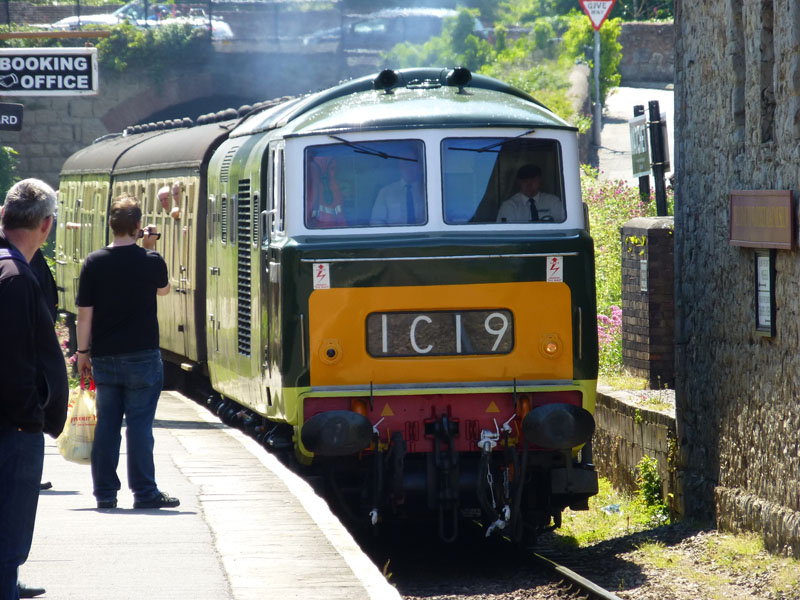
(360, 272)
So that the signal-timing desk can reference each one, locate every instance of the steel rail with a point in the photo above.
(576, 579)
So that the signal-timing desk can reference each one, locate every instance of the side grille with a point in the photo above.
(243, 215)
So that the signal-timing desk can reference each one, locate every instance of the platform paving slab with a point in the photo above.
(246, 528)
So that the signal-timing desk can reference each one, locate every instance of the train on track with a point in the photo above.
(341, 280)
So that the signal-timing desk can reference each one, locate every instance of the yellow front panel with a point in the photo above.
(541, 313)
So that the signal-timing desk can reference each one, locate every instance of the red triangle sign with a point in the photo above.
(597, 10)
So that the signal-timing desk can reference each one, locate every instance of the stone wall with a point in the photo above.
(627, 432)
(737, 101)
(648, 53)
(648, 302)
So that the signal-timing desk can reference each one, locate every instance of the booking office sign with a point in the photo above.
(48, 71)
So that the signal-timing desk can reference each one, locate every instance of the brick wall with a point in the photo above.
(648, 306)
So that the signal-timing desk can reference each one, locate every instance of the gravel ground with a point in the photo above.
(685, 571)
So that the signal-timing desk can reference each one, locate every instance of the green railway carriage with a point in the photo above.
(341, 276)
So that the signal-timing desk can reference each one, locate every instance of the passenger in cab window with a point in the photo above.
(324, 194)
(401, 202)
(530, 204)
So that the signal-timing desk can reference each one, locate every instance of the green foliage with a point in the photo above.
(612, 514)
(521, 12)
(153, 49)
(526, 11)
(8, 166)
(649, 491)
(457, 46)
(643, 10)
(579, 45)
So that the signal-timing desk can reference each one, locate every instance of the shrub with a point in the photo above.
(579, 45)
(649, 492)
(8, 166)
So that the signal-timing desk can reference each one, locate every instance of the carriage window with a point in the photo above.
(502, 180)
(365, 184)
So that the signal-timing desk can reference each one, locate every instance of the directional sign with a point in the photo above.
(640, 148)
(48, 71)
(10, 117)
(597, 10)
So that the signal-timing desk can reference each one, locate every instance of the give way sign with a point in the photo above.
(597, 10)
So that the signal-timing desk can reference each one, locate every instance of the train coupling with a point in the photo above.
(489, 438)
(500, 524)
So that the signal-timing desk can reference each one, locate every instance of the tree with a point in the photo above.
(643, 10)
(579, 44)
(457, 46)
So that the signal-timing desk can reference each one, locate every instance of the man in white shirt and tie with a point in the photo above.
(530, 204)
(401, 202)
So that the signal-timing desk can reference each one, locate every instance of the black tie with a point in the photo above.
(409, 205)
(534, 212)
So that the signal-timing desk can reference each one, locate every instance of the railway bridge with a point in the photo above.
(235, 75)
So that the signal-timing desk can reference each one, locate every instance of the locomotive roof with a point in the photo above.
(409, 98)
(411, 108)
(183, 147)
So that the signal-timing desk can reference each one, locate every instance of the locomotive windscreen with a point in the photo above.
(479, 174)
(358, 184)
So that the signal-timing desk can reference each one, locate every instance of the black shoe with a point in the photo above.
(161, 501)
(45, 485)
(28, 591)
(107, 503)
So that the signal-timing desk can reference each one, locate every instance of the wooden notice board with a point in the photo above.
(762, 219)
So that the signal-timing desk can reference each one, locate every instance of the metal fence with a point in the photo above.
(302, 23)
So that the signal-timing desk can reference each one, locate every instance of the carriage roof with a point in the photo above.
(183, 147)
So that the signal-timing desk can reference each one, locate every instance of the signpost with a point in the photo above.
(48, 71)
(597, 11)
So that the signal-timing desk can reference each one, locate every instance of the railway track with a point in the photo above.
(573, 581)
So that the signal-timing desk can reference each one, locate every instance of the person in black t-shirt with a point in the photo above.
(117, 313)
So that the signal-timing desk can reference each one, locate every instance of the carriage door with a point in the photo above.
(215, 237)
(186, 267)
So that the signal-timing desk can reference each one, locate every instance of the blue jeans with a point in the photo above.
(21, 459)
(127, 385)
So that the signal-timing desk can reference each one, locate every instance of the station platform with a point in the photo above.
(247, 527)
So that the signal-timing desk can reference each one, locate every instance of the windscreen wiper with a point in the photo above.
(364, 150)
(490, 146)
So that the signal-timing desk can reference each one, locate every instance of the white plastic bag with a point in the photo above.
(75, 442)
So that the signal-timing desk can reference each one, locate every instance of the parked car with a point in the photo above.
(157, 14)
